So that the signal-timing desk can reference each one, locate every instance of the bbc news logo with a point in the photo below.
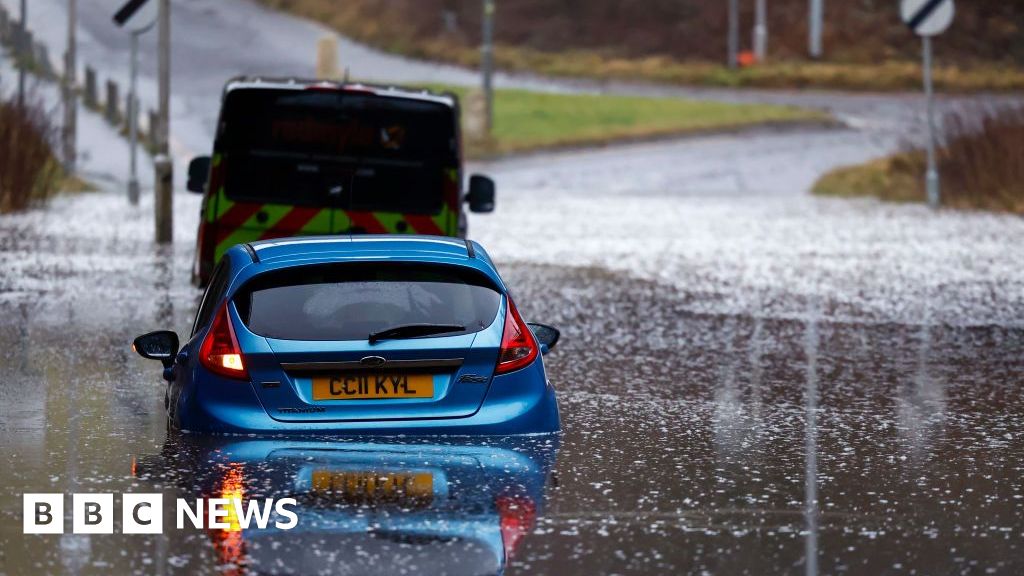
(143, 513)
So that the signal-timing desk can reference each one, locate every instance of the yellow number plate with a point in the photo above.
(374, 487)
(366, 385)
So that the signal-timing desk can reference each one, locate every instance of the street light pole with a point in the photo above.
(70, 128)
(815, 24)
(487, 63)
(133, 120)
(761, 31)
(734, 33)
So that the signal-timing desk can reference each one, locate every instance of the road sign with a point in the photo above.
(927, 17)
(137, 15)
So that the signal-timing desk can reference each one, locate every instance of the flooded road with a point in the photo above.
(751, 381)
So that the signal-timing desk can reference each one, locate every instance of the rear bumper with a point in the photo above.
(518, 403)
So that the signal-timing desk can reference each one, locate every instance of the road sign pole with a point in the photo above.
(928, 18)
(19, 51)
(761, 31)
(932, 175)
(815, 25)
(733, 41)
(487, 61)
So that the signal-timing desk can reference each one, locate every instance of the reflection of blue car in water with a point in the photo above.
(369, 508)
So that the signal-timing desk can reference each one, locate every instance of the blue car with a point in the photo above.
(358, 334)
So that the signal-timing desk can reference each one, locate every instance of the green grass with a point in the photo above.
(525, 121)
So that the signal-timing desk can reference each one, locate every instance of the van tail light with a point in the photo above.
(206, 244)
(518, 516)
(518, 346)
(220, 352)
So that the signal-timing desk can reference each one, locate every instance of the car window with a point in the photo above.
(351, 301)
(214, 293)
(332, 148)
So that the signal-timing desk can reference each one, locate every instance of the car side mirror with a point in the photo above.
(547, 336)
(198, 173)
(481, 194)
(161, 345)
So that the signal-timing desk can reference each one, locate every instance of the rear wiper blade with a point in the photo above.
(414, 330)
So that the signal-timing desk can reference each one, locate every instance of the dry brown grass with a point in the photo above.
(981, 163)
(28, 171)
(897, 178)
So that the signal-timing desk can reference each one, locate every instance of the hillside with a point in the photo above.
(856, 31)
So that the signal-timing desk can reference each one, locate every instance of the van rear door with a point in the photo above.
(299, 161)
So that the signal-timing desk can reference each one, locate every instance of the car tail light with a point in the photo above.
(229, 543)
(518, 515)
(518, 346)
(220, 352)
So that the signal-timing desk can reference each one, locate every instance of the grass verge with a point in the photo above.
(888, 76)
(526, 121)
(897, 178)
(981, 164)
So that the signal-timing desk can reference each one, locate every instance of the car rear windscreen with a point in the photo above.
(352, 301)
(350, 150)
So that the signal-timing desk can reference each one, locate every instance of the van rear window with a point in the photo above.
(351, 301)
(332, 148)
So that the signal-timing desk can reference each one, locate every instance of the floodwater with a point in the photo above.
(751, 380)
(772, 403)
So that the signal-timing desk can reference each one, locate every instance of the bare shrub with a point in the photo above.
(28, 171)
(982, 158)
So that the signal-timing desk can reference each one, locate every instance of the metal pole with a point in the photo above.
(734, 33)
(70, 129)
(133, 123)
(761, 31)
(816, 16)
(487, 61)
(932, 176)
(18, 50)
(164, 167)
